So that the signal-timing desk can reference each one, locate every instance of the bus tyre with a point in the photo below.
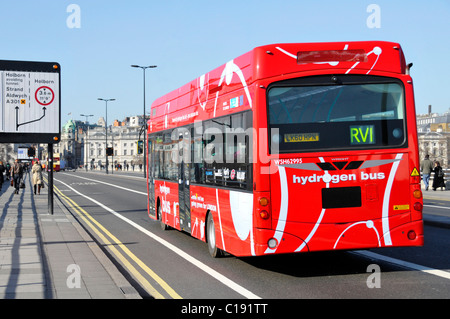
(161, 223)
(211, 238)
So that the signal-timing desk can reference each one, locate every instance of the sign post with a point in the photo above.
(50, 179)
(30, 106)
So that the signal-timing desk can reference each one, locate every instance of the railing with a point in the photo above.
(446, 178)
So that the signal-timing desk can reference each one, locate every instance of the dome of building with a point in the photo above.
(69, 127)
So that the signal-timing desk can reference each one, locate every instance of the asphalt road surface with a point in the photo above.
(171, 264)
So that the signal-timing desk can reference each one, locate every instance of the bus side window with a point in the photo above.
(158, 156)
(197, 172)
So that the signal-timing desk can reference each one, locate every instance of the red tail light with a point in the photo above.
(418, 206)
(264, 214)
(412, 235)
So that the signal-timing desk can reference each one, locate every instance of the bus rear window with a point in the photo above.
(336, 116)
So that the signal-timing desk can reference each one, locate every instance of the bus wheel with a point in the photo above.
(211, 238)
(161, 223)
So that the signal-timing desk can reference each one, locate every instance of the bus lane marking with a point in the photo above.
(90, 221)
(213, 273)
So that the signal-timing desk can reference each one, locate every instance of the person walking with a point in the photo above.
(38, 180)
(16, 175)
(2, 170)
(8, 170)
(426, 166)
(438, 179)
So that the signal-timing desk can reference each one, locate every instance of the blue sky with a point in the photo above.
(186, 39)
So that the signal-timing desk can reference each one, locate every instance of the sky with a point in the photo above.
(96, 41)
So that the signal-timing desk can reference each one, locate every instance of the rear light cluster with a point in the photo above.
(263, 217)
(263, 213)
(417, 206)
(416, 212)
(417, 194)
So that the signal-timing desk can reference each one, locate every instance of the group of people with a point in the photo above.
(15, 174)
(427, 167)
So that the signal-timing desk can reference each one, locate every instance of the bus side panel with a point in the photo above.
(203, 201)
(232, 212)
(167, 193)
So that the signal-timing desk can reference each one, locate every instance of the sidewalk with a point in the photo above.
(45, 256)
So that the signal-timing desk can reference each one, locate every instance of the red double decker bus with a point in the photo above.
(291, 148)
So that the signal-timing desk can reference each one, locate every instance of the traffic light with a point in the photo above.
(109, 151)
(140, 147)
(31, 152)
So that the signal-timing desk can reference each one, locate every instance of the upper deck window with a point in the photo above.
(329, 113)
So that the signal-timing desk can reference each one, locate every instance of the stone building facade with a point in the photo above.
(434, 137)
(84, 145)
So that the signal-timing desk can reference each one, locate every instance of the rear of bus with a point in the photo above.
(342, 144)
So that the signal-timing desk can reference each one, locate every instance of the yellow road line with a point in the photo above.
(85, 216)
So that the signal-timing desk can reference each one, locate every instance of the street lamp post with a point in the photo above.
(86, 140)
(106, 128)
(145, 121)
(86, 116)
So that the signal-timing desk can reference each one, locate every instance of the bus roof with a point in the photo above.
(362, 57)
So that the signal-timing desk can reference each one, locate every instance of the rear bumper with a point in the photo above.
(304, 237)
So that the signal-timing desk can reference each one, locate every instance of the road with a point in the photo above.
(173, 265)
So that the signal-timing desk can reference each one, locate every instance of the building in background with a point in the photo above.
(84, 145)
(434, 136)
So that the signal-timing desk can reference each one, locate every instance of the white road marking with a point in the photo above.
(109, 184)
(428, 270)
(399, 262)
(434, 206)
(226, 281)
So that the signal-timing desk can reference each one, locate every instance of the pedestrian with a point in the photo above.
(426, 166)
(16, 175)
(438, 180)
(38, 180)
(8, 171)
(2, 170)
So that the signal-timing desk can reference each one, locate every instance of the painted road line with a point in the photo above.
(392, 260)
(218, 276)
(85, 216)
(406, 264)
(434, 206)
(109, 184)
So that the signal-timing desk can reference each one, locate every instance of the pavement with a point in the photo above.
(45, 256)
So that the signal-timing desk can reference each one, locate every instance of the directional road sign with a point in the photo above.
(30, 101)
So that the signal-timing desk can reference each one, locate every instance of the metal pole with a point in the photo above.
(86, 144)
(112, 143)
(106, 129)
(145, 122)
(50, 179)
(145, 126)
(87, 149)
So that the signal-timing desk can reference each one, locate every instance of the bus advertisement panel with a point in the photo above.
(291, 148)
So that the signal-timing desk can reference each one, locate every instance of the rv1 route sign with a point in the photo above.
(30, 101)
